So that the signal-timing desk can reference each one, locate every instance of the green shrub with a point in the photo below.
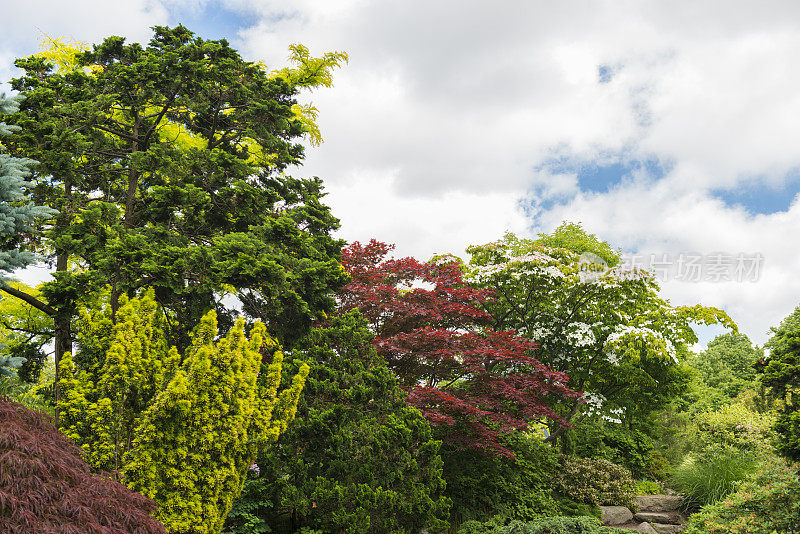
(709, 477)
(481, 485)
(648, 487)
(550, 525)
(596, 482)
(767, 501)
(631, 449)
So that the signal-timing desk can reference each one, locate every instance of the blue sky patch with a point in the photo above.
(759, 198)
(604, 73)
(213, 20)
(597, 177)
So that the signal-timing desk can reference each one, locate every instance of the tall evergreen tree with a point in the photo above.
(168, 163)
(782, 375)
(357, 459)
(19, 217)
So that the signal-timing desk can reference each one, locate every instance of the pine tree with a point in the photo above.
(18, 217)
(357, 459)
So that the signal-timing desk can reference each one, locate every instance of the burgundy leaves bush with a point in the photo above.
(46, 487)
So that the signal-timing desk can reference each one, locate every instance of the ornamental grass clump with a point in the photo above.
(707, 478)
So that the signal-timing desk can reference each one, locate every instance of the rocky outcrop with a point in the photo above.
(656, 514)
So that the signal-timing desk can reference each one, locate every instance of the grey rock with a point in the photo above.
(646, 527)
(653, 517)
(658, 503)
(615, 515)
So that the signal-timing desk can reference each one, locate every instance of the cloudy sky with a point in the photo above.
(667, 128)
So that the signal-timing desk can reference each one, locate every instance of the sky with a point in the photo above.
(668, 129)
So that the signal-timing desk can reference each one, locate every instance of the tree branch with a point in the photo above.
(33, 301)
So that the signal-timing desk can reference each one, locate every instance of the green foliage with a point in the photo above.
(101, 404)
(195, 443)
(648, 487)
(572, 236)
(482, 485)
(727, 364)
(167, 163)
(310, 72)
(782, 375)
(607, 329)
(632, 449)
(735, 426)
(357, 459)
(34, 396)
(596, 482)
(550, 525)
(768, 501)
(709, 477)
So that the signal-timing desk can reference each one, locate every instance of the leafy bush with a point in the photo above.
(482, 485)
(708, 478)
(736, 426)
(46, 486)
(648, 487)
(596, 482)
(549, 525)
(767, 501)
(631, 449)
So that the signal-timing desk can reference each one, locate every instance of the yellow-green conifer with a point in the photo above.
(195, 443)
(100, 406)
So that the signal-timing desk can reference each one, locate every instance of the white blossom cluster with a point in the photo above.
(594, 406)
(581, 335)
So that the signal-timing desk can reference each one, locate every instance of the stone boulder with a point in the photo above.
(615, 515)
(658, 503)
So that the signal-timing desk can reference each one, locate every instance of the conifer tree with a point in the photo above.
(357, 459)
(101, 404)
(195, 443)
(18, 218)
(185, 433)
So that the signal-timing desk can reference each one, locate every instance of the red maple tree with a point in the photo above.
(47, 488)
(433, 333)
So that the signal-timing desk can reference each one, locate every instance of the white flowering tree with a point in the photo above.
(606, 327)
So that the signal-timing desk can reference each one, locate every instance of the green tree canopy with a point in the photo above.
(168, 165)
(727, 363)
(782, 375)
(607, 329)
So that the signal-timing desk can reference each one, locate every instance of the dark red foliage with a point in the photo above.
(46, 487)
(433, 333)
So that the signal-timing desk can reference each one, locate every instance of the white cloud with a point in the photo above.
(369, 207)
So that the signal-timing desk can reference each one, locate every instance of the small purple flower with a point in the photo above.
(255, 469)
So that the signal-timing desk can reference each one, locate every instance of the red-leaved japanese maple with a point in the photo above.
(47, 488)
(433, 333)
